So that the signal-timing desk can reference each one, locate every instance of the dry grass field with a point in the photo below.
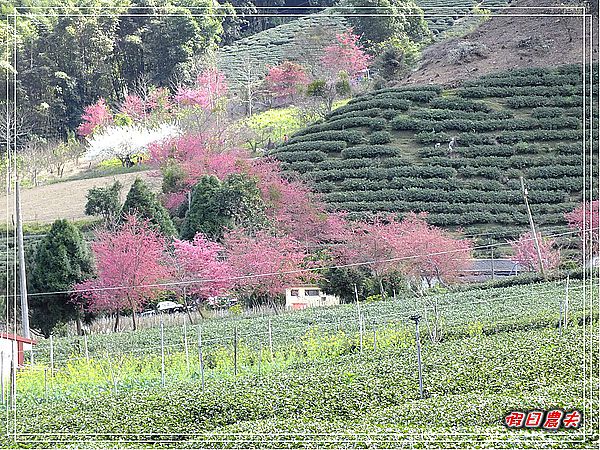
(66, 200)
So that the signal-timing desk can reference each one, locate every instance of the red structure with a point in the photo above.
(20, 340)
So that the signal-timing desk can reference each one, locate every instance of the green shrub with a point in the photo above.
(307, 146)
(348, 136)
(313, 156)
(380, 137)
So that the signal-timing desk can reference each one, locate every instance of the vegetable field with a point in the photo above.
(323, 375)
(456, 154)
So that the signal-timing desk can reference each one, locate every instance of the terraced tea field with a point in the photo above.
(302, 39)
(326, 382)
(456, 154)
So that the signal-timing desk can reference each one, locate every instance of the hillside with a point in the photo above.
(520, 37)
(302, 39)
(389, 151)
(322, 378)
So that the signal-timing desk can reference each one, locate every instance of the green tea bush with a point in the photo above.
(526, 101)
(370, 151)
(380, 137)
(513, 91)
(348, 136)
(313, 156)
(457, 103)
(323, 146)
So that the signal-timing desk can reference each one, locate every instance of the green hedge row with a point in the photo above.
(552, 111)
(312, 156)
(380, 138)
(466, 196)
(568, 184)
(527, 101)
(503, 137)
(545, 79)
(352, 163)
(298, 166)
(514, 91)
(418, 96)
(360, 104)
(515, 162)
(371, 151)
(306, 146)
(425, 87)
(409, 123)
(383, 173)
(457, 103)
(443, 114)
(375, 123)
(556, 171)
(373, 112)
(348, 136)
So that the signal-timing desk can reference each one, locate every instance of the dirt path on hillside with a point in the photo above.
(513, 41)
(67, 200)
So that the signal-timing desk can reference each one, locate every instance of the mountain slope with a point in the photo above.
(389, 151)
(525, 35)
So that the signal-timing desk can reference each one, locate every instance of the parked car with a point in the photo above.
(147, 313)
(169, 307)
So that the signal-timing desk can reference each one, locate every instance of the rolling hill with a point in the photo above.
(389, 151)
(302, 39)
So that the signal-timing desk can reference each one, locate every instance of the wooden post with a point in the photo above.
(259, 359)
(374, 337)
(22, 275)
(185, 343)
(85, 344)
(162, 354)
(45, 382)
(51, 357)
(200, 356)
(566, 307)
(532, 225)
(2, 377)
(271, 339)
(13, 383)
(360, 330)
(235, 344)
(416, 319)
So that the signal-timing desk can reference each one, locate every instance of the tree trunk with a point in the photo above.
(78, 324)
(133, 318)
(187, 309)
(116, 327)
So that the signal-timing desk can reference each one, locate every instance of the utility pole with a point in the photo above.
(532, 225)
(22, 277)
(416, 318)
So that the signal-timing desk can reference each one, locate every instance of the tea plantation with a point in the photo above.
(457, 154)
(302, 39)
(326, 382)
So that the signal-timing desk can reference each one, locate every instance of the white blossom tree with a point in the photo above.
(123, 142)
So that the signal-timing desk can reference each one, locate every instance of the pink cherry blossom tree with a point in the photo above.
(412, 247)
(285, 80)
(134, 107)
(525, 252)
(265, 264)
(128, 262)
(203, 260)
(586, 220)
(94, 116)
(430, 253)
(346, 55)
(211, 86)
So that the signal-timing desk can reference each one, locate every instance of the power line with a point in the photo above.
(271, 274)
